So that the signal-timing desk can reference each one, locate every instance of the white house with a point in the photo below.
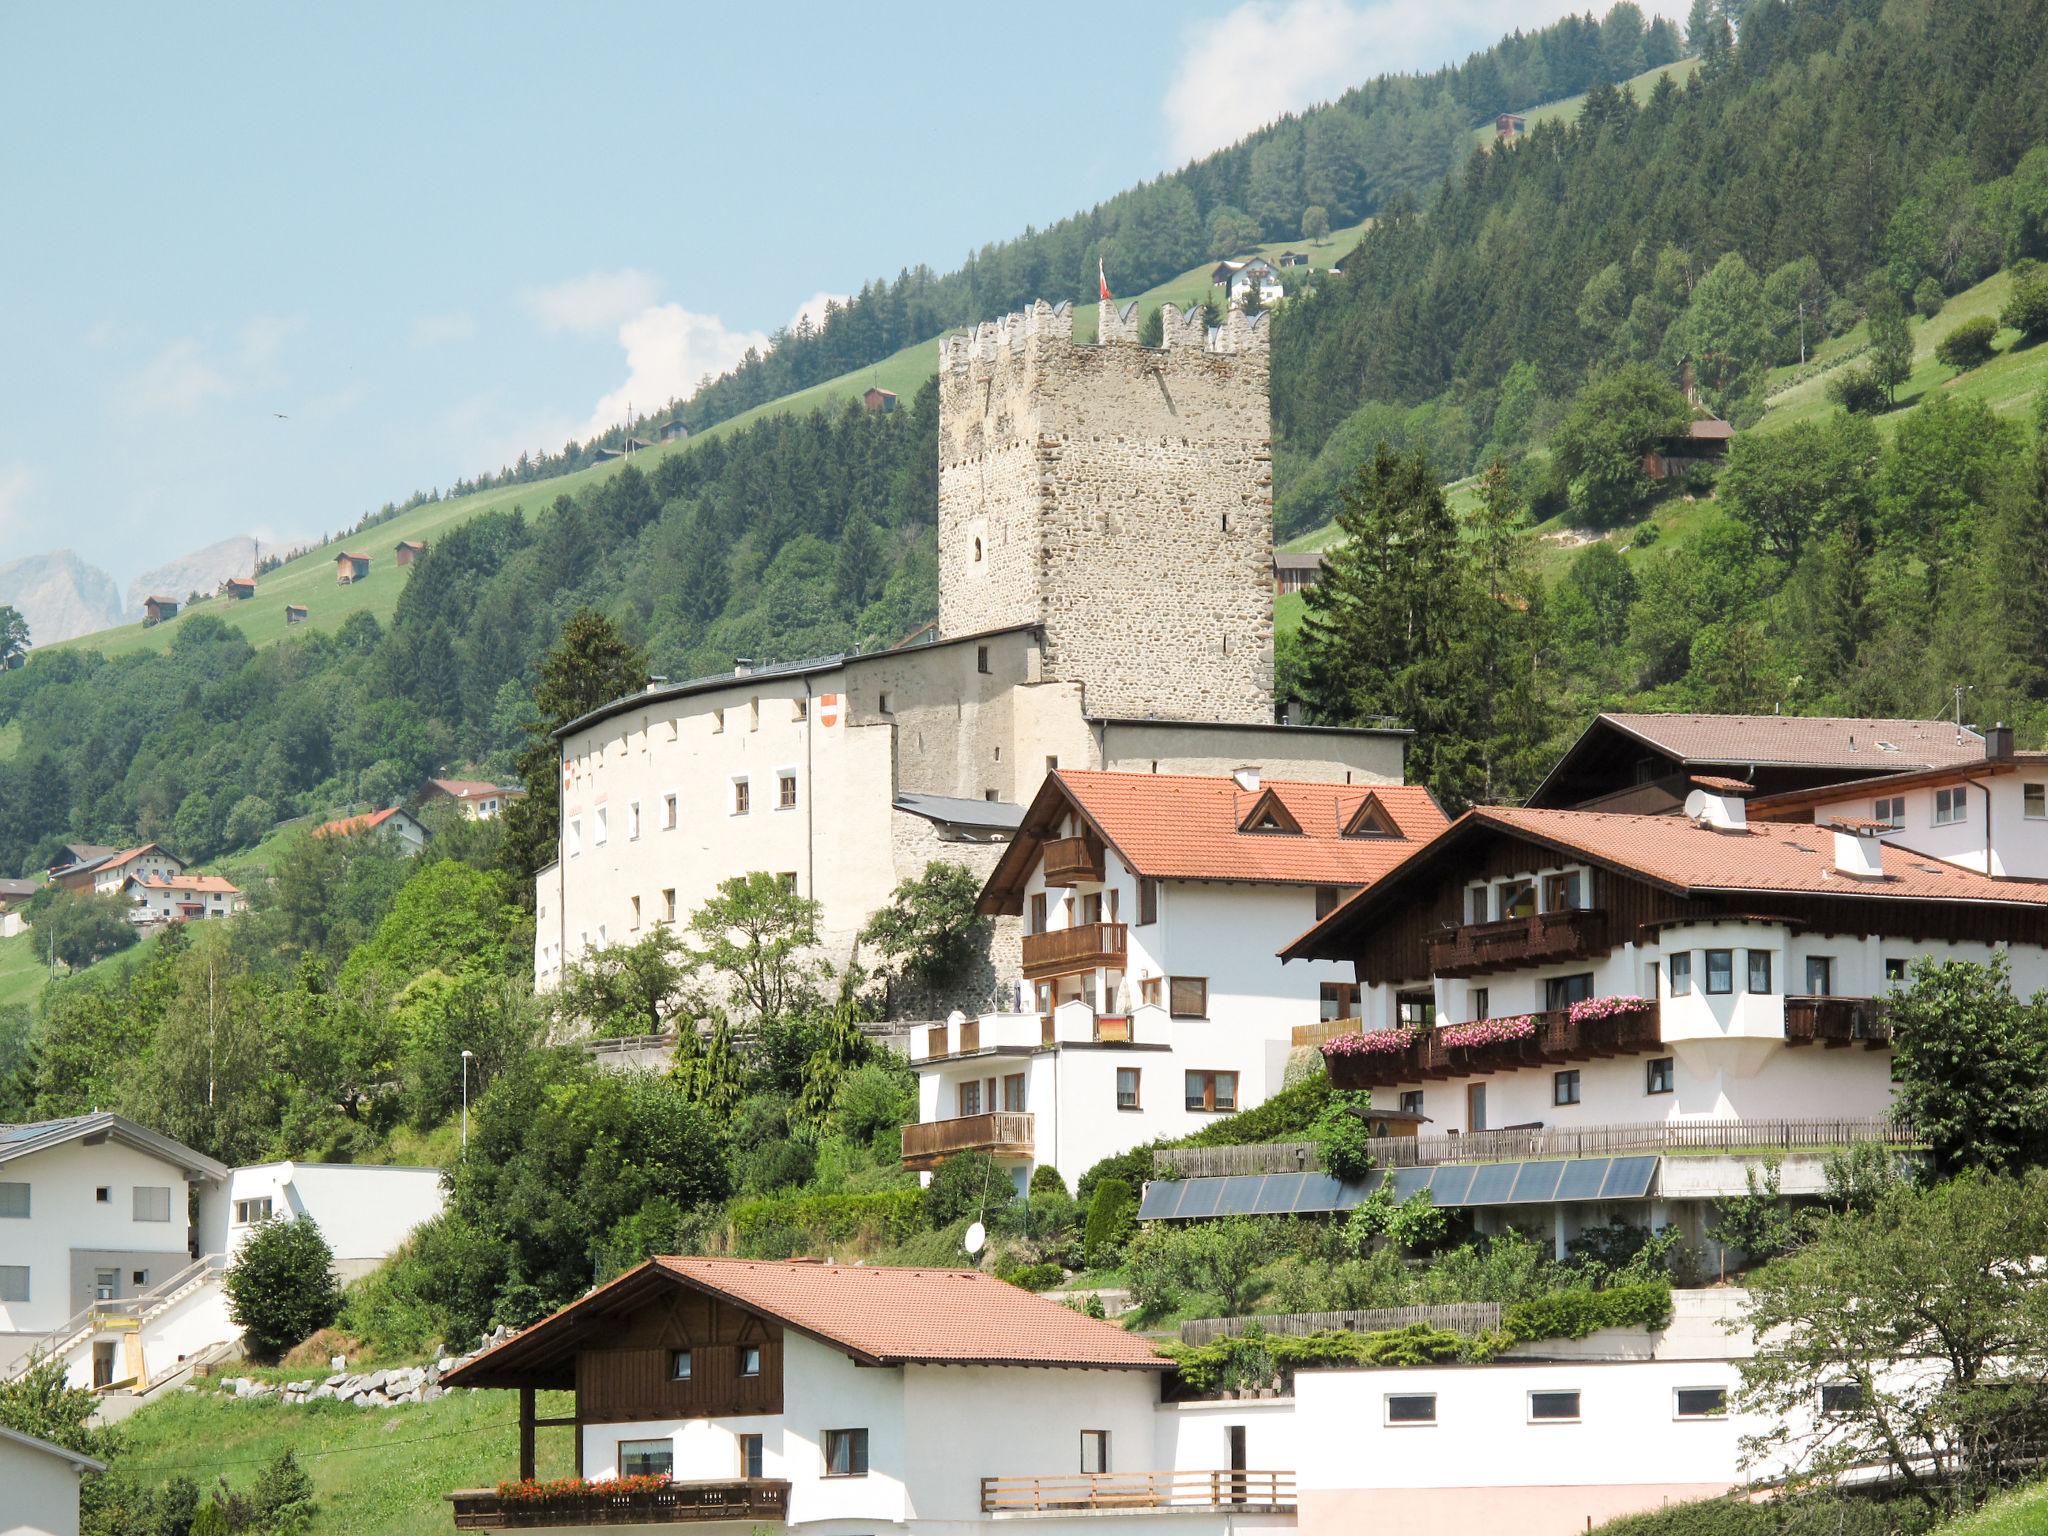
(1240, 277)
(147, 862)
(866, 1399)
(1150, 1000)
(393, 822)
(1579, 969)
(180, 898)
(41, 1480)
(364, 1210)
(97, 1253)
(480, 801)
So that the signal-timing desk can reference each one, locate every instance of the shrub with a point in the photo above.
(1256, 1358)
(969, 1185)
(283, 1496)
(2026, 309)
(1033, 1277)
(1111, 1215)
(1046, 1180)
(1927, 297)
(875, 1099)
(1805, 1515)
(1286, 1116)
(281, 1285)
(1415, 1223)
(1858, 390)
(1968, 344)
(1342, 1136)
(1575, 1314)
(783, 1226)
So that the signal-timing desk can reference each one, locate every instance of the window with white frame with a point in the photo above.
(668, 813)
(785, 790)
(742, 797)
(1678, 967)
(668, 904)
(1411, 1408)
(249, 1212)
(2034, 801)
(1699, 1402)
(1890, 809)
(575, 837)
(600, 827)
(1951, 805)
(1476, 904)
(647, 1458)
(1558, 1407)
(152, 1203)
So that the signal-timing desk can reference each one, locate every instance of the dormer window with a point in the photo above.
(1371, 819)
(1269, 815)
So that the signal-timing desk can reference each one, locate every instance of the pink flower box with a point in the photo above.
(1608, 1008)
(1376, 1042)
(1489, 1031)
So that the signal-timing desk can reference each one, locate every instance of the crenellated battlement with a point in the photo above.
(1034, 331)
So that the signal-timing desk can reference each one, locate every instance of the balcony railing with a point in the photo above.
(1262, 1492)
(1555, 1037)
(479, 1509)
(1083, 947)
(1837, 1021)
(1073, 861)
(1322, 1030)
(1574, 933)
(1003, 1133)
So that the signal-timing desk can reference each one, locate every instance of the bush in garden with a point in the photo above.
(281, 1286)
(1111, 1215)
(1968, 344)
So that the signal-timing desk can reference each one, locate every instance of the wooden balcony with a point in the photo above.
(1073, 861)
(1002, 1133)
(1323, 1030)
(1229, 1491)
(479, 1509)
(1084, 947)
(1837, 1022)
(1578, 933)
(1113, 1027)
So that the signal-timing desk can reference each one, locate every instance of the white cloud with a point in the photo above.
(443, 330)
(593, 303)
(814, 307)
(1270, 57)
(668, 349)
(187, 374)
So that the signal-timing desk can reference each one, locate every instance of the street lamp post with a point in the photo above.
(467, 1056)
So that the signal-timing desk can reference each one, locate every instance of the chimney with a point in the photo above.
(1998, 743)
(1859, 848)
(1717, 804)
(1247, 777)
(656, 684)
(742, 666)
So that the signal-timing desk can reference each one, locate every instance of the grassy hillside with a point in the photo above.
(377, 1471)
(2021, 1513)
(22, 974)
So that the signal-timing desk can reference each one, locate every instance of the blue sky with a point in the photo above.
(430, 235)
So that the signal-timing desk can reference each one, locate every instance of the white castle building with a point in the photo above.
(1105, 602)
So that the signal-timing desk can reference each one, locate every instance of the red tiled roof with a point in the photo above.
(1814, 741)
(878, 1315)
(1791, 857)
(346, 555)
(465, 789)
(1721, 786)
(348, 824)
(204, 884)
(116, 860)
(1189, 827)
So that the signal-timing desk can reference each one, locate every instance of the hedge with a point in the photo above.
(1286, 1116)
(1810, 1515)
(1255, 1358)
(806, 1222)
(1575, 1314)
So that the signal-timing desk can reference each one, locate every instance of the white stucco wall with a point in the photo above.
(69, 1232)
(1995, 832)
(41, 1492)
(363, 1210)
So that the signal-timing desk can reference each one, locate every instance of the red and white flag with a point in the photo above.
(1103, 278)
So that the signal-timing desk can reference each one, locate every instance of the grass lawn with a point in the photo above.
(2023, 1512)
(377, 1471)
(252, 864)
(22, 973)
(1567, 109)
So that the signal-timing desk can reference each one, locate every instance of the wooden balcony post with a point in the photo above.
(526, 1434)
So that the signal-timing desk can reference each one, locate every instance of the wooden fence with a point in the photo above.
(1541, 1141)
(1470, 1317)
(1231, 1490)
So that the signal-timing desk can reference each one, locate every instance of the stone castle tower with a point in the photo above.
(1121, 497)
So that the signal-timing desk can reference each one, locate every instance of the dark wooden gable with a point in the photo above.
(1269, 814)
(1372, 819)
(627, 1372)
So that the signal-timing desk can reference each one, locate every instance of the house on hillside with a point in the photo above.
(1703, 442)
(41, 1479)
(410, 550)
(294, 613)
(1650, 763)
(181, 898)
(237, 588)
(878, 402)
(1296, 573)
(365, 1211)
(815, 1395)
(95, 1243)
(1293, 259)
(674, 431)
(1509, 126)
(113, 872)
(73, 870)
(14, 895)
(1246, 276)
(394, 822)
(479, 799)
(1147, 999)
(156, 609)
(350, 568)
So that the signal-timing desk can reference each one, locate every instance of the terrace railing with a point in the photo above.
(1064, 1493)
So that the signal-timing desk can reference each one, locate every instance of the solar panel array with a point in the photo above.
(1460, 1184)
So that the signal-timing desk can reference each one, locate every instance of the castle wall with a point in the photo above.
(1121, 496)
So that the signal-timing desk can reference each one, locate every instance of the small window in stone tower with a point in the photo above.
(1226, 522)
(977, 551)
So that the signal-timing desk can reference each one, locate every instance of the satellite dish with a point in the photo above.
(975, 1238)
(1696, 805)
